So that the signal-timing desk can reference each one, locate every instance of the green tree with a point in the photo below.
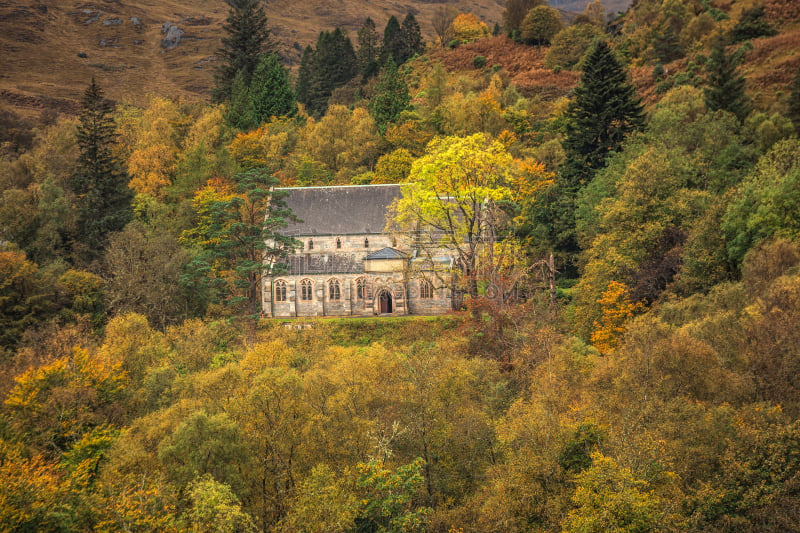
(100, 186)
(238, 236)
(412, 38)
(304, 75)
(247, 37)
(751, 25)
(270, 90)
(391, 97)
(216, 509)
(568, 46)
(393, 45)
(541, 24)
(332, 65)
(388, 498)
(240, 112)
(602, 113)
(725, 88)
(368, 52)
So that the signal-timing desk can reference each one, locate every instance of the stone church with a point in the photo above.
(349, 265)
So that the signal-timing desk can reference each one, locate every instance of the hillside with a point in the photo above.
(51, 49)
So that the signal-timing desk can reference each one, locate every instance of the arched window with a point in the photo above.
(310, 244)
(360, 288)
(306, 290)
(425, 289)
(334, 290)
(338, 242)
(280, 291)
(366, 242)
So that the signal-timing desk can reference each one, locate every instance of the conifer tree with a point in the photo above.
(304, 75)
(100, 186)
(391, 97)
(603, 112)
(333, 64)
(392, 41)
(412, 38)
(270, 91)
(725, 88)
(368, 51)
(240, 113)
(247, 38)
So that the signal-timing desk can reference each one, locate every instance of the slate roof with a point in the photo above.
(341, 210)
(386, 253)
(338, 263)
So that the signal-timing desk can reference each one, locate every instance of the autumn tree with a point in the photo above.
(102, 197)
(568, 46)
(443, 17)
(541, 24)
(466, 27)
(515, 13)
(453, 198)
(247, 37)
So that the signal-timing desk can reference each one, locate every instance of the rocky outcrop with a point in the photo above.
(172, 35)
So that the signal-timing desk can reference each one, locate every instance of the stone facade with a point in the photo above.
(348, 264)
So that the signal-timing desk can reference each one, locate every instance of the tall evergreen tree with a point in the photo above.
(247, 38)
(603, 111)
(304, 74)
(392, 41)
(100, 186)
(725, 88)
(240, 113)
(412, 38)
(368, 51)
(270, 91)
(391, 97)
(333, 64)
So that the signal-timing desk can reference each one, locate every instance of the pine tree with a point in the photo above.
(368, 51)
(100, 186)
(391, 97)
(412, 38)
(304, 74)
(270, 91)
(725, 89)
(392, 41)
(241, 113)
(247, 38)
(333, 64)
(603, 112)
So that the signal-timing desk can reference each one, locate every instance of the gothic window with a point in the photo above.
(425, 289)
(306, 290)
(360, 288)
(310, 244)
(280, 291)
(366, 242)
(338, 242)
(334, 290)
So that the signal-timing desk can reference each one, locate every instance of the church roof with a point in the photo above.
(386, 253)
(341, 210)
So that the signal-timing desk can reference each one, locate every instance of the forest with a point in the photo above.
(647, 162)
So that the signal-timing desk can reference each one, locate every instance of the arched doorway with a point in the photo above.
(385, 302)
